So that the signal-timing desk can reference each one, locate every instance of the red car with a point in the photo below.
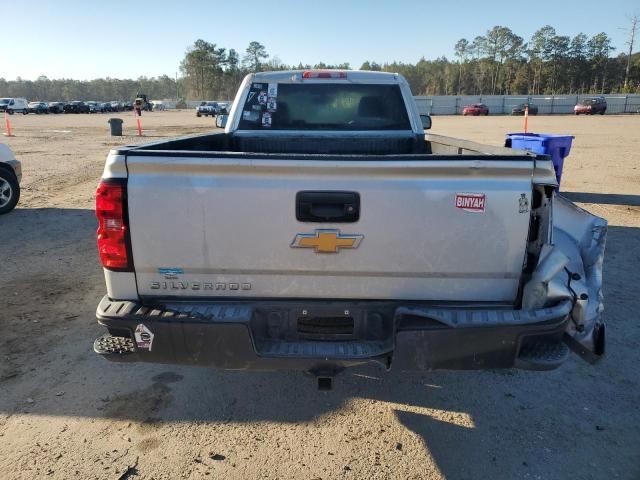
(475, 109)
(591, 106)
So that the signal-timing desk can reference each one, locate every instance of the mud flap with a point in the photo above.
(590, 351)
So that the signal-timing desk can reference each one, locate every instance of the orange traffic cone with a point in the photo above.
(7, 125)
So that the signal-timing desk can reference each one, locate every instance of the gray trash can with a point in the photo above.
(116, 126)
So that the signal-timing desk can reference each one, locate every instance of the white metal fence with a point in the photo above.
(503, 104)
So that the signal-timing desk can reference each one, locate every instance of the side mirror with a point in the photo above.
(426, 121)
(221, 120)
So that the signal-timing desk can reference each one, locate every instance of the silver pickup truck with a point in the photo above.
(323, 228)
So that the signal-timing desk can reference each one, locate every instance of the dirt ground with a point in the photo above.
(66, 413)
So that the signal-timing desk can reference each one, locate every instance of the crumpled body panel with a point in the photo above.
(570, 268)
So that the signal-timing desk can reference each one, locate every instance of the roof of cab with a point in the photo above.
(353, 76)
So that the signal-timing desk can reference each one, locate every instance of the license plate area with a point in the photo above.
(324, 321)
(320, 327)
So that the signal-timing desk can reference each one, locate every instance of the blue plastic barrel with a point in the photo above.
(556, 146)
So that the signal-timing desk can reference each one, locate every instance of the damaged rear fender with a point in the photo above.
(571, 268)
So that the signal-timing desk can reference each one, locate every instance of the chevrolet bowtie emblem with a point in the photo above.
(326, 241)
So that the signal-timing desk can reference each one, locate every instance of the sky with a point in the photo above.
(127, 39)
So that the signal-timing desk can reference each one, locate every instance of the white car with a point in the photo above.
(12, 105)
(208, 108)
(10, 175)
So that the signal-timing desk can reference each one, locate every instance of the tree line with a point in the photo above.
(100, 89)
(501, 62)
(209, 71)
(498, 62)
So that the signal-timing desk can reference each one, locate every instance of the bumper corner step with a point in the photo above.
(542, 355)
(114, 347)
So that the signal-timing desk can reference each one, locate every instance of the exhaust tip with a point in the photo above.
(325, 383)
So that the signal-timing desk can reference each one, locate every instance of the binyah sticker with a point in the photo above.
(471, 202)
(262, 98)
(257, 86)
(266, 120)
(144, 337)
(272, 91)
(272, 104)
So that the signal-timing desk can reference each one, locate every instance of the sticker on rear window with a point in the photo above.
(262, 98)
(272, 91)
(266, 120)
(272, 105)
(251, 115)
(471, 202)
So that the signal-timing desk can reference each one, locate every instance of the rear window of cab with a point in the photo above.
(324, 106)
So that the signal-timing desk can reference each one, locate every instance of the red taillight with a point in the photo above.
(113, 230)
(309, 74)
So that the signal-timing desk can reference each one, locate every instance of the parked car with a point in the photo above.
(13, 105)
(95, 107)
(208, 109)
(38, 107)
(10, 175)
(115, 106)
(56, 107)
(475, 109)
(126, 106)
(591, 106)
(158, 106)
(519, 109)
(496, 270)
(76, 107)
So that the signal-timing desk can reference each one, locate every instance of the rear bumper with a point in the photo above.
(267, 335)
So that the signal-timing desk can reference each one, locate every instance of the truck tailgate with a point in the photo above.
(432, 229)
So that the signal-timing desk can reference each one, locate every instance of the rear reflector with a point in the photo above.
(113, 229)
(309, 74)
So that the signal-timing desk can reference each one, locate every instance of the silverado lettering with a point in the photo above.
(199, 286)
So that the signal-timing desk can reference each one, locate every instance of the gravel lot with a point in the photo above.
(65, 413)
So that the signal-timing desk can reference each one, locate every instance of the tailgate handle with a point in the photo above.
(328, 206)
